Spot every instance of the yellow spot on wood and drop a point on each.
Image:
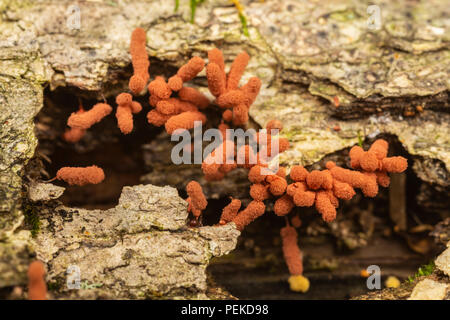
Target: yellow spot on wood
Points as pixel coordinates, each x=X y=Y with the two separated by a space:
x=238 y=6
x=298 y=283
x=392 y=282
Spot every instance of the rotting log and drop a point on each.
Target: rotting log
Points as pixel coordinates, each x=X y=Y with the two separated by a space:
x=331 y=80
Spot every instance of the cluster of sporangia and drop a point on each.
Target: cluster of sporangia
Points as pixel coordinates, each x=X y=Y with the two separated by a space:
x=322 y=188
x=319 y=188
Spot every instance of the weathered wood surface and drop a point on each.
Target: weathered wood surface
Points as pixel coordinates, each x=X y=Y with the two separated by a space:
x=309 y=55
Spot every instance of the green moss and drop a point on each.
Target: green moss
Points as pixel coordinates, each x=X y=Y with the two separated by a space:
x=85 y=285
x=158 y=227
x=32 y=219
x=244 y=24
x=424 y=270
x=343 y=15
x=360 y=139
x=292 y=133
x=193 y=5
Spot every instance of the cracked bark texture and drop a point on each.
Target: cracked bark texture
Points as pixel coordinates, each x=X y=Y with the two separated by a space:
x=139 y=249
x=309 y=55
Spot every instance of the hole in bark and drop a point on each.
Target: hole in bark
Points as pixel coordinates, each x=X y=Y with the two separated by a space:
x=256 y=268
x=119 y=155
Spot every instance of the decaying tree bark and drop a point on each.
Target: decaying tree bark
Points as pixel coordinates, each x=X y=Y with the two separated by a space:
x=329 y=76
x=139 y=249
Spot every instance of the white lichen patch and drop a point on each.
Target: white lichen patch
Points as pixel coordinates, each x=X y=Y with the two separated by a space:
x=142 y=248
x=443 y=262
x=429 y=289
